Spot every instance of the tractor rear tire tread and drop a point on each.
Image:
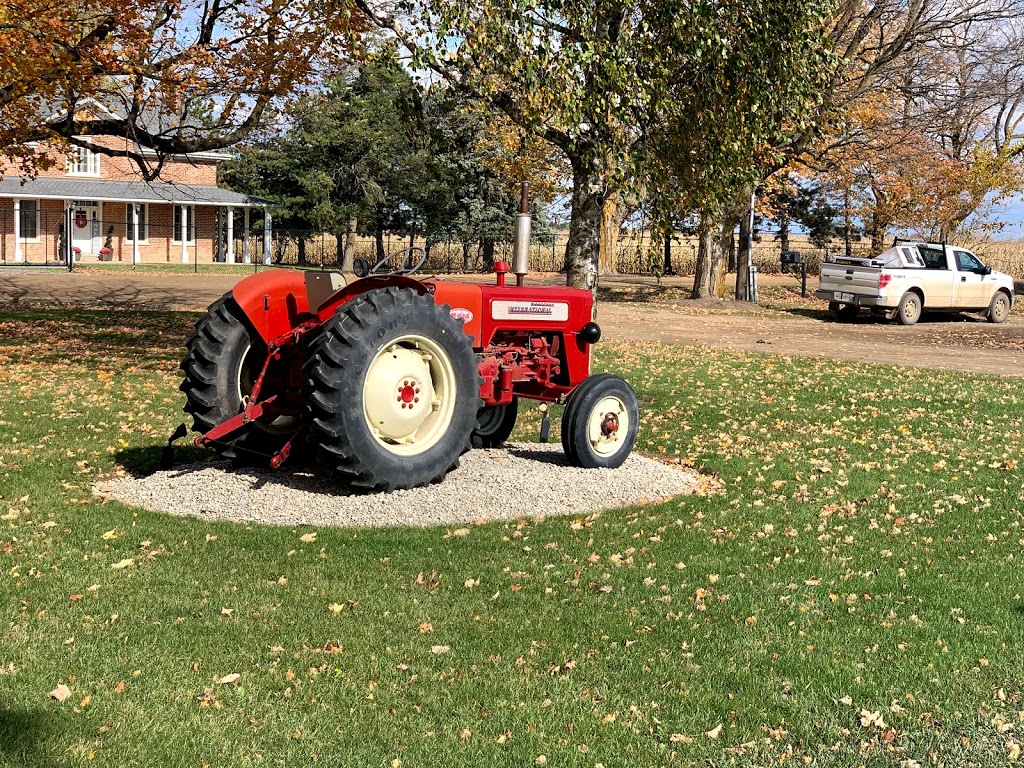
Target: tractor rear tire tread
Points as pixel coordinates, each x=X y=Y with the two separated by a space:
x=215 y=353
x=335 y=375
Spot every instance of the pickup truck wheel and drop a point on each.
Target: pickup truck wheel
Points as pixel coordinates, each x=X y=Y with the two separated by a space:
x=847 y=313
x=909 y=310
x=999 y=309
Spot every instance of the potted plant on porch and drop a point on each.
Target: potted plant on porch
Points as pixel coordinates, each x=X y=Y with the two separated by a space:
x=107 y=251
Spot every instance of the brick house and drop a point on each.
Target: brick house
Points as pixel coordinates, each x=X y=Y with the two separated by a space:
x=114 y=215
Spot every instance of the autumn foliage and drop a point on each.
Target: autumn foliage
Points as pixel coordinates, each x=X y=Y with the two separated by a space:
x=174 y=76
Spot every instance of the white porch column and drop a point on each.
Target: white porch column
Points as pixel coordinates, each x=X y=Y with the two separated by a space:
x=229 y=256
x=136 y=256
x=246 y=239
x=69 y=223
x=18 y=255
x=184 y=234
x=266 y=236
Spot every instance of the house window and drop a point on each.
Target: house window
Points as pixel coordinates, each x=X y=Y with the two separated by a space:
x=191 y=223
x=143 y=222
x=82 y=161
x=29 y=219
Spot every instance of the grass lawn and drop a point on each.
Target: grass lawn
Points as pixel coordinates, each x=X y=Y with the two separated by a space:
x=851 y=597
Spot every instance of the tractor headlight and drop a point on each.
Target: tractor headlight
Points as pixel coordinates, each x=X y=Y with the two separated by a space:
x=590 y=333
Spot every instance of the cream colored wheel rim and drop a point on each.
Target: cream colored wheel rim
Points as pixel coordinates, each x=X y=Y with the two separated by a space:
x=248 y=372
x=608 y=426
x=913 y=307
x=1001 y=307
x=409 y=395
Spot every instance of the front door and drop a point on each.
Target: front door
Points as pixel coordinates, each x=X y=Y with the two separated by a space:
x=86 y=226
x=972 y=292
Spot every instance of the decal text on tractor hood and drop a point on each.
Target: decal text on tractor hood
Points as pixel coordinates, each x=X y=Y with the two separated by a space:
x=544 y=311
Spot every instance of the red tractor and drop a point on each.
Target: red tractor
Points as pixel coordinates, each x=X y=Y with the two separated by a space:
x=389 y=380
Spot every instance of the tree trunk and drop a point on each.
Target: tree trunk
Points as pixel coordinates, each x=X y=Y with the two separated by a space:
x=611 y=220
x=666 y=268
x=878 y=229
x=378 y=239
x=487 y=249
x=302 y=251
x=744 y=290
x=847 y=224
x=783 y=233
x=720 y=256
x=467 y=260
x=702 y=271
x=348 y=253
x=584 y=244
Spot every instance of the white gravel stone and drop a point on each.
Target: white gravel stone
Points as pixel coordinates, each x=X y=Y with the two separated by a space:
x=521 y=480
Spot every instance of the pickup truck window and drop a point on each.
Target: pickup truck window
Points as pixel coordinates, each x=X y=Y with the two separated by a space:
x=934 y=258
x=967 y=262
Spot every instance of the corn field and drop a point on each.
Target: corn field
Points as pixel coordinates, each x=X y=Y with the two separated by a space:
x=638 y=254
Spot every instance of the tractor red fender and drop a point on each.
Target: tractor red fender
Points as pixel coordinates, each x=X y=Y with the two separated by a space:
x=330 y=305
x=274 y=301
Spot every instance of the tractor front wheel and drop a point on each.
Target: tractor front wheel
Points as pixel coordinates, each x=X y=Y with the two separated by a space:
x=494 y=424
x=225 y=357
x=392 y=391
x=600 y=422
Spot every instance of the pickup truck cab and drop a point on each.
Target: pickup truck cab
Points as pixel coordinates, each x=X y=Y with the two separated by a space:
x=912 y=278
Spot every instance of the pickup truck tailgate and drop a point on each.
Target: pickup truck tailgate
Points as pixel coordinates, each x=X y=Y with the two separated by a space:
x=850 y=278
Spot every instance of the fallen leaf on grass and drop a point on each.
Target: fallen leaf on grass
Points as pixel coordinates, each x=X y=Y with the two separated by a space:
x=60 y=693
x=123 y=564
x=229 y=679
x=308 y=538
x=439 y=649
x=680 y=738
x=715 y=732
x=871 y=719
x=110 y=535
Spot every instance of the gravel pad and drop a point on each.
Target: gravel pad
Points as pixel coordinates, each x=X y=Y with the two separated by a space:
x=521 y=480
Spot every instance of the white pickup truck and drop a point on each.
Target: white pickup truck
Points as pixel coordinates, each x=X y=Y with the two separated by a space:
x=911 y=278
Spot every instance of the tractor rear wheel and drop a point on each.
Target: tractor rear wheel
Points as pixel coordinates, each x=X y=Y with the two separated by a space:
x=600 y=422
x=392 y=391
x=494 y=424
x=224 y=359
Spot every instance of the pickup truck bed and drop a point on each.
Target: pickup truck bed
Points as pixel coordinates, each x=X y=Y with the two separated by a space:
x=911 y=278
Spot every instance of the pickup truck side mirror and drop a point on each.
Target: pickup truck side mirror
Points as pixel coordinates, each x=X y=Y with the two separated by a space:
x=985 y=270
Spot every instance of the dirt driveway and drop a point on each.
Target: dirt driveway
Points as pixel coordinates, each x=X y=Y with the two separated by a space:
x=959 y=343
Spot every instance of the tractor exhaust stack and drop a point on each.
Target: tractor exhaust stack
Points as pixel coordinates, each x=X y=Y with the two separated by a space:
x=521 y=244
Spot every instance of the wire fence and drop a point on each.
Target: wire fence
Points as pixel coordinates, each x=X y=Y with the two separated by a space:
x=637 y=254
x=44 y=241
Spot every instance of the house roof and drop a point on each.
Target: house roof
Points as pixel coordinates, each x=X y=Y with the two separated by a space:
x=45 y=188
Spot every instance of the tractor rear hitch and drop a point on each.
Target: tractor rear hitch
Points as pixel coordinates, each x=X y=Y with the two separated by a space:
x=167 y=456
